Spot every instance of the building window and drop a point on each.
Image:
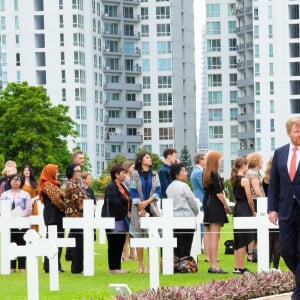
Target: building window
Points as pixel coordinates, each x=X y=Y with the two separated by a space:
x=294 y=87
x=231 y=9
x=271 y=31
x=164 y=64
x=116 y=148
x=255 y=13
x=233 y=114
x=145 y=48
x=213 y=10
x=145 y=30
x=128 y=12
x=62 y=39
x=234 y=130
x=63 y=76
x=215 y=132
x=147 y=134
x=163 y=12
x=215 y=114
x=163 y=29
x=132 y=131
x=256 y=51
x=257 y=126
x=61 y=21
x=166 y=133
x=214 y=80
x=294 y=31
x=294 y=12
x=256 y=32
x=272 y=107
x=232 y=62
x=147 y=100
x=213 y=28
x=232 y=45
x=215 y=97
x=295 y=68
x=165 y=116
x=270 y=50
x=294 y=49
x=213 y=45
x=2 y=5
x=270 y=12
x=257 y=71
x=145 y=65
x=144 y=13
x=79 y=76
x=146 y=82
x=78 y=21
x=233 y=95
x=232 y=27
x=257 y=88
x=271 y=69
x=2 y=23
x=63 y=95
x=214 y=62
x=129 y=96
x=147 y=117
x=164 y=82
x=272 y=125
x=295 y=106
x=80 y=112
x=165 y=99
x=164 y=47
x=272 y=144
x=271 y=87
x=257 y=107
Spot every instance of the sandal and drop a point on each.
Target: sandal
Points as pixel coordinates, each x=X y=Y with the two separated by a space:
x=140 y=269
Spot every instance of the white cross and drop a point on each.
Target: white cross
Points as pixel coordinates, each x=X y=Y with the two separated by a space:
x=102 y=234
x=88 y=222
x=262 y=224
x=53 y=263
x=39 y=220
x=168 y=223
x=197 y=241
x=153 y=242
x=34 y=247
x=7 y=222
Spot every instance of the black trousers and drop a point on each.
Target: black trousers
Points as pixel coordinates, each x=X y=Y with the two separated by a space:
x=17 y=236
x=60 y=234
x=184 y=242
x=114 y=250
x=77 y=251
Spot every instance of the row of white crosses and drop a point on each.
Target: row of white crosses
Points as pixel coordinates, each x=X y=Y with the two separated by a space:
x=166 y=223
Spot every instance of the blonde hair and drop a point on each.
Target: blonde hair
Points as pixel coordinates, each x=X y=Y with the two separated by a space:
x=290 y=122
x=211 y=165
x=254 y=159
x=8 y=171
x=268 y=170
x=127 y=164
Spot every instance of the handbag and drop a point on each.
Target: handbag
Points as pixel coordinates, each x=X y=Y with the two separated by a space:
x=154 y=210
x=186 y=264
x=229 y=247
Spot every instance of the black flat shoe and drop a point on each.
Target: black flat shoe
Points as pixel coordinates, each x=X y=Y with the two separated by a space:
x=62 y=271
x=217 y=271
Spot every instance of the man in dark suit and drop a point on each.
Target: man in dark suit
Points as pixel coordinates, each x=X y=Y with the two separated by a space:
x=284 y=199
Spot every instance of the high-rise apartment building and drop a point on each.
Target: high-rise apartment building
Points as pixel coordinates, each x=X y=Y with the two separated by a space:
x=221 y=72
x=253 y=84
x=124 y=67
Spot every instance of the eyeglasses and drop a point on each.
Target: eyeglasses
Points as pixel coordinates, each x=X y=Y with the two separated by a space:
x=16 y=179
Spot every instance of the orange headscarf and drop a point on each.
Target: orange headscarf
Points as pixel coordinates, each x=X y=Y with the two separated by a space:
x=48 y=174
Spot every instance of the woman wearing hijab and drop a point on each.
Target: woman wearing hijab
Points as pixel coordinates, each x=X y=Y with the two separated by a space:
x=54 y=204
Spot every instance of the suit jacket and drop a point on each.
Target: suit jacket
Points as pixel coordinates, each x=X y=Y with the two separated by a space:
x=282 y=191
x=197 y=184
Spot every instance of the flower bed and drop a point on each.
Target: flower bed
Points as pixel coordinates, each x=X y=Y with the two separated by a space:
x=239 y=288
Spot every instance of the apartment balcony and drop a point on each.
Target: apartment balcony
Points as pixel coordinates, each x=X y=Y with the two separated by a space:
x=111 y=52
x=245 y=82
x=121 y=138
x=113 y=86
x=245 y=99
x=244 y=117
x=242 y=47
x=114 y=121
x=135 y=87
x=244 y=29
x=109 y=17
x=113 y=104
x=134 y=71
x=136 y=121
x=244 y=135
x=135 y=36
x=134 y=19
x=132 y=2
x=112 y=34
x=134 y=104
x=240 y=12
x=109 y=69
x=111 y=1
x=136 y=53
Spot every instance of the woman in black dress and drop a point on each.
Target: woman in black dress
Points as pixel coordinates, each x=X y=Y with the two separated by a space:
x=216 y=207
x=244 y=207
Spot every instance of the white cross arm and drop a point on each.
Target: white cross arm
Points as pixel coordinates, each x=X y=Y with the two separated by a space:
x=59 y=242
x=251 y=223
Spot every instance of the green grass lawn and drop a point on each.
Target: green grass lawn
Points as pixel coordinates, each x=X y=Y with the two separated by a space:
x=77 y=286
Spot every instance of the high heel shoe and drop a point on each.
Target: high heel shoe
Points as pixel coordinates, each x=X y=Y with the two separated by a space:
x=250 y=257
x=140 y=269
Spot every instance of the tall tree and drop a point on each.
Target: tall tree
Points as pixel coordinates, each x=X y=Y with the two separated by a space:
x=32 y=130
x=186 y=159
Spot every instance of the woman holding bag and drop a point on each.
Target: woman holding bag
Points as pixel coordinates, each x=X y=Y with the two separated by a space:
x=116 y=206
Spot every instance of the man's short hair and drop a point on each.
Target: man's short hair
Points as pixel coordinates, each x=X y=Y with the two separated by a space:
x=169 y=151
x=76 y=153
x=198 y=156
